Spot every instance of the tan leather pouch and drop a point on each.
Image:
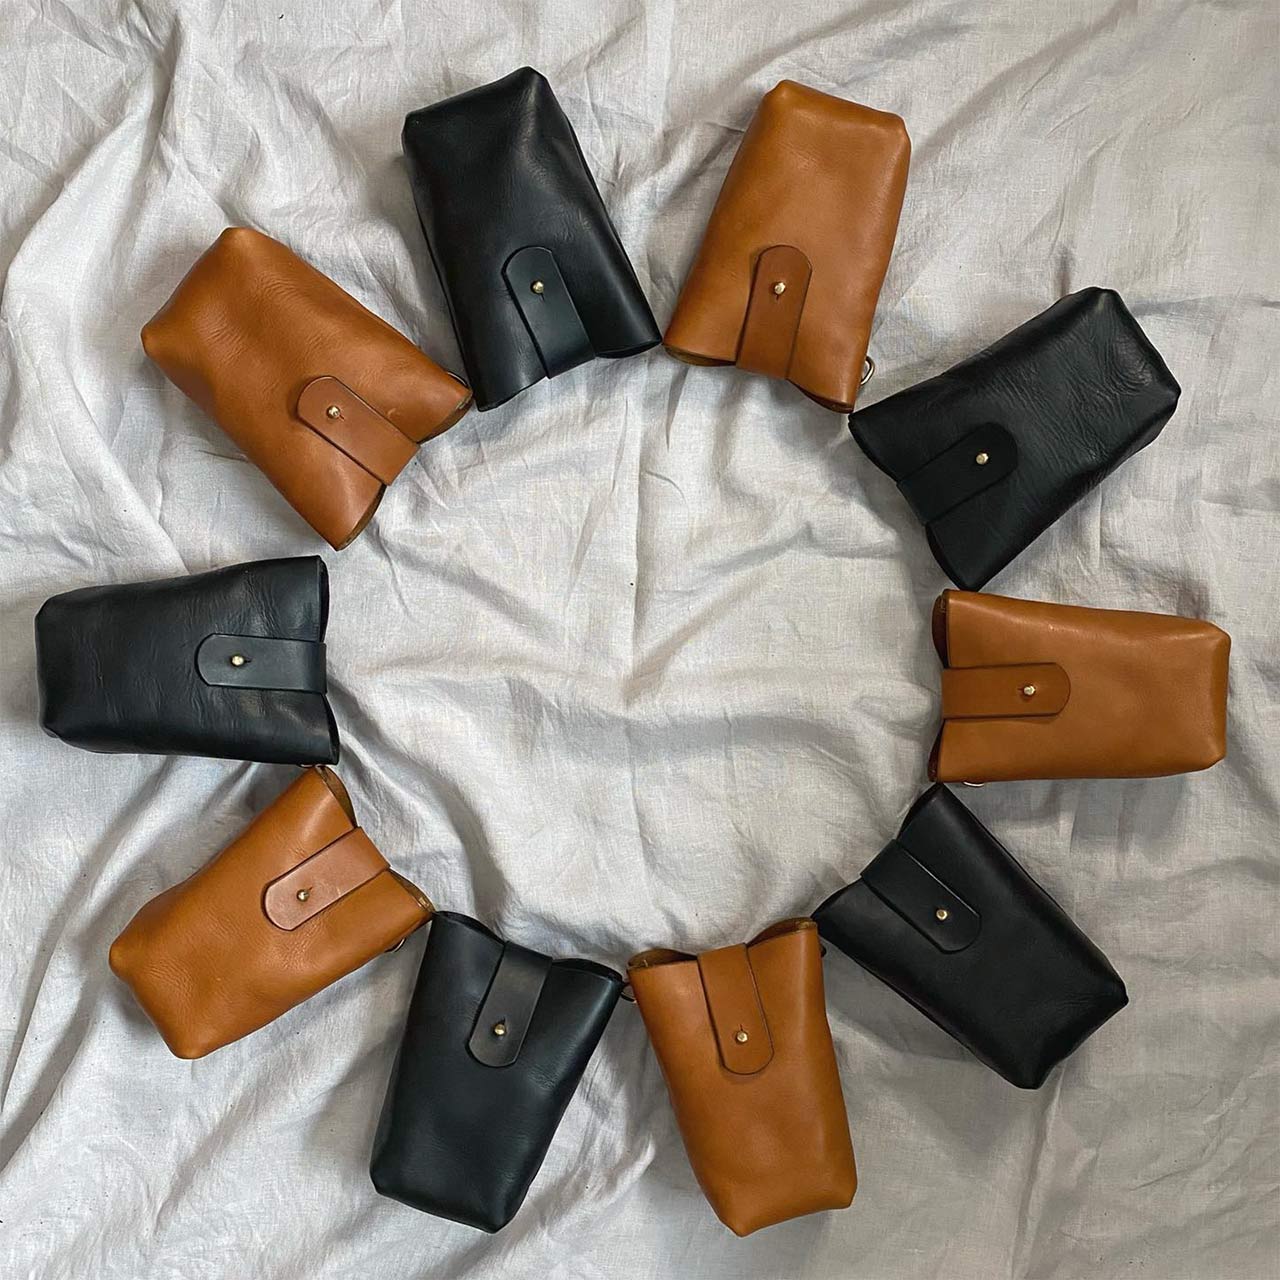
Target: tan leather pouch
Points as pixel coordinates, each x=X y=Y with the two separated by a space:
x=327 y=399
x=742 y=1038
x=789 y=272
x=1033 y=690
x=300 y=899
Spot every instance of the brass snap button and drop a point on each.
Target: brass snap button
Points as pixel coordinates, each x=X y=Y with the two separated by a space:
x=538 y=287
x=499 y=1029
x=779 y=288
x=742 y=1036
x=333 y=411
x=303 y=894
x=237 y=659
x=982 y=459
x=1028 y=691
x=942 y=913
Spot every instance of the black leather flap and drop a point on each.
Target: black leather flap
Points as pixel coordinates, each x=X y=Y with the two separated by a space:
x=508 y=1007
x=543 y=299
x=262 y=662
x=917 y=895
x=497 y=168
x=987 y=454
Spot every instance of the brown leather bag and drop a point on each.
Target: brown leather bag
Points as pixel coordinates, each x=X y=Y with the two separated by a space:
x=789 y=272
x=327 y=399
x=300 y=899
x=742 y=1038
x=1034 y=690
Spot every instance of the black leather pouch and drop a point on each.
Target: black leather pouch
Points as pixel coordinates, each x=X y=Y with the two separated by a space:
x=229 y=663
x=495 y=1043
x=953 y=924
x=535 y=276
x=989 y=454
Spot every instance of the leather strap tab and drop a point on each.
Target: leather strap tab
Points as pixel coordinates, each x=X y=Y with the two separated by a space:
x=996 y=693
x=507 y=1010
x=357 y=428
x=320 y=880
x=544 y=302
x=737 y=1017
x=970 y=466
x=773 y=312
x=262 y=662
x=920 y=898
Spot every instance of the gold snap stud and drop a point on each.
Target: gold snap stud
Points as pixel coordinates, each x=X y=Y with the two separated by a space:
x=780 y=287
x=238 y=659
x=538 y=287
x=982 y=459
x=333 y=411
x=303 y=894
x=742 y=1037
x=1028 y=691
x=942 y=913
x=499 y=1028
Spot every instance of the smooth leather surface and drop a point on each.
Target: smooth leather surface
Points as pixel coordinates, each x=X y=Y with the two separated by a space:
x=206 y=962
x=1079 y=388
x=498 y=169
x=251 y=327
x=1020 y=689
x=458 y=1138
x=733 y=1003
x=825 y=177
x=320 y=880
x=543 y=300
x=508 y=1007
x=1146 y=692
x=332 y=410
x=1023 y=992
x=262 y=662
x=933 y=908
x=769 y=332
x=117 y=665
x=769 y=1143
x=960 y=472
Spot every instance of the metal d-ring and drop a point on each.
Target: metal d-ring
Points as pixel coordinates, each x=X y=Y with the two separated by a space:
x=868 y=371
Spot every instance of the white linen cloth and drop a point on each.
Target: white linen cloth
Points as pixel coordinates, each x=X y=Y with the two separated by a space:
x=641 y=658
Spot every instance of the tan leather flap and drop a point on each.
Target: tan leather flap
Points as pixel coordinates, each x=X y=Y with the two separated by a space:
x=1029 y=689
x=737 y=1017
x=778 y=292
x=331 y=409
x=320 y=880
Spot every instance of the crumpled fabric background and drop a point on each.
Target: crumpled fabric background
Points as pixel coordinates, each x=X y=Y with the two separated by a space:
x=642 y=657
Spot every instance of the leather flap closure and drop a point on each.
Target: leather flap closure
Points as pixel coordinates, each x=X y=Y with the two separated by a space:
x=262 y=662
x=737 y=1016
x=971 y=465
x=320 y=880
x=543 y=300
x=920 y=898
x=995 y=693
x=331 y=409
x=507 y=1009
x=778 y=291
